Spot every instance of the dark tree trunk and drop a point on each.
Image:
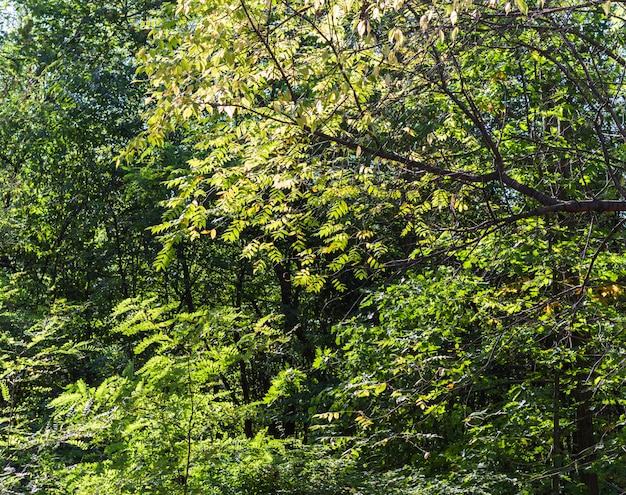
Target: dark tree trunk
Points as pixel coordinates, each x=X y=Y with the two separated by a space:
x=243 y=373
x=187 y=282
x=584 y=438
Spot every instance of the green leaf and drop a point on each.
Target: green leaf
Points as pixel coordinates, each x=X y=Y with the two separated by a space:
x=522 y=6
x=4 y=390
x=380 y=388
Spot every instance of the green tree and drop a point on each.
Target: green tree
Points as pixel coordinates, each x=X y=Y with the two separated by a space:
x=72 y=227
x=324 y=132
x=476 y=384
x=391 y=247
x=477 y=104
x=69 y=106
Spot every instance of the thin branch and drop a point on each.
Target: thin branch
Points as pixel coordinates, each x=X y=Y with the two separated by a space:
x=595 y=257
x=263 y=40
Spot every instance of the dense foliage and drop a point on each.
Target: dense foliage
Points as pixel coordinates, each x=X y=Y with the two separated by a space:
x=328 y=247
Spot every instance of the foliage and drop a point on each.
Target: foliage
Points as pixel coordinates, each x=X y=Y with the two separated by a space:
x=432 y=114
x=452 y=374
x=68 y=108
x=392 y=247
x=41 y=350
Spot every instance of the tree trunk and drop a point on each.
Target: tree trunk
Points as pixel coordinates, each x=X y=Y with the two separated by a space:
x=584 y=439
x=243 y=374
x=187 y=283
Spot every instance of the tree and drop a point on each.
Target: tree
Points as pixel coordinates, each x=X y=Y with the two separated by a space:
x=476 y=100
x=493 y=133
x=69 y=106
x=392 y=247
x=72 y=227
x=476 y=386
